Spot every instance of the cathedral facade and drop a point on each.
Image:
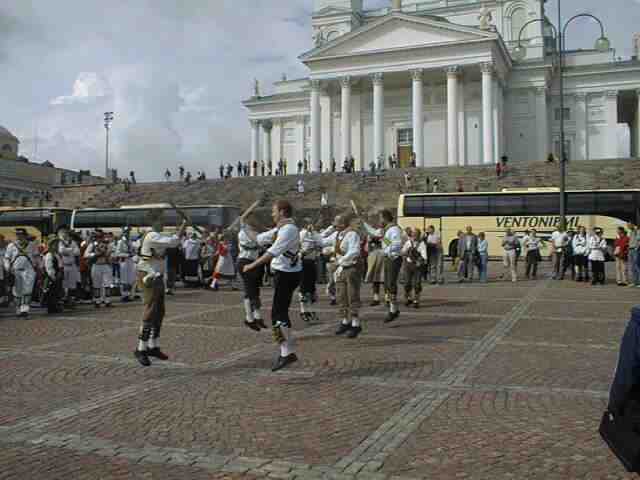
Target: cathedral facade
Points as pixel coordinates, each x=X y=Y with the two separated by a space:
x=438 y=82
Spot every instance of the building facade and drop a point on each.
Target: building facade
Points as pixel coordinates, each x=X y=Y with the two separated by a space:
x=437 y=81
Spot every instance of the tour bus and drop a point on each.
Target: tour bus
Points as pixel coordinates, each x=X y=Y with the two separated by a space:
x=493 y=213
x=136 y=216
x=39 y=222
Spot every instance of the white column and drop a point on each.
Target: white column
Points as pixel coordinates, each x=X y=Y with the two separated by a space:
x=542 y=125
x=315 y=127
x=292 y=163
x=255 y=141
x=418 y=116
x=487 y=112
x=345 y=83
x=266 y=126
x=497 y=121
x=581 y=148
x=637 y=129
x=452 y=115
x=378 y=117
x=611 y=107
x=462 y=123
x=326 y=129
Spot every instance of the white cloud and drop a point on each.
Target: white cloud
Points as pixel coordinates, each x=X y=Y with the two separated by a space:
x=87 y=87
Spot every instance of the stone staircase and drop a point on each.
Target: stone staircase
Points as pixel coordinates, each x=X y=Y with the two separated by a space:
x=365 y=189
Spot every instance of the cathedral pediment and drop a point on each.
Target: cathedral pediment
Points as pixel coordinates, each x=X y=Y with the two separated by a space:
x=398 y=31
x=329 y=11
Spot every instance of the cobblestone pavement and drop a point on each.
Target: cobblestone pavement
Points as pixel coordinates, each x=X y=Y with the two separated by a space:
x=488 y=381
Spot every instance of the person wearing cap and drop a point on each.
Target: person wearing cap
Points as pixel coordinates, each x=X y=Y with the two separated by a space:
x=124 y=254
x=310 y=246
x=597 y=247
x=69 y=252
x=346 y=243
x=150 y=270
x=99 y=255
x=20 y=260
x=53 y=285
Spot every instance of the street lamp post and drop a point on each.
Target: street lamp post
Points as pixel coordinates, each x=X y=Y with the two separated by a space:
x=520 y=52
x=108 y=118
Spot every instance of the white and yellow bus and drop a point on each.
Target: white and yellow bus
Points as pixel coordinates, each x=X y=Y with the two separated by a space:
x=521 y=210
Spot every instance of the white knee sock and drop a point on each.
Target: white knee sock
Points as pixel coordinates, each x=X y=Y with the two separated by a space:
x=286 y=347
x=257 y=315
x=355 y=322
x=393 y=308
x=247 y=310
x=345 y=321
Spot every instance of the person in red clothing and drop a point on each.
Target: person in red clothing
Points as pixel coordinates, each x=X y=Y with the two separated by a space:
x=498 y=169
x=621 y=252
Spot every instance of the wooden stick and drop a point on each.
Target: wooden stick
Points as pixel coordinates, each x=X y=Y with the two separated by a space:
x=244 y=215
x=355 y=209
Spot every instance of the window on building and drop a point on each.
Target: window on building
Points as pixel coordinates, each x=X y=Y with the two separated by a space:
x=405 y=136
x=518 y=19
x=566 y=114
x=6 y=148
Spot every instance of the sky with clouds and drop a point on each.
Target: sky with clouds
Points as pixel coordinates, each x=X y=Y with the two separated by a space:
x=174 y=72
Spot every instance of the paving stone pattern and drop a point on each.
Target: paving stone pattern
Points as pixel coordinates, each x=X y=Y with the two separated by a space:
x=491 y=381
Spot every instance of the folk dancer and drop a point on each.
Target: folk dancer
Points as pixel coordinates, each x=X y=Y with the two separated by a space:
x=19 y=261
x=54 y=275
x=69 y=253
x=346 y=244
x=414 y=252
x=329 y=254
x=284 y=256
x=309 y=248
x=192 y=247
x=251 y=280
x=375 y=267
x=124 y=254
x=151 y=270
x=392 y=245
x=207 y=254
x=99 y=254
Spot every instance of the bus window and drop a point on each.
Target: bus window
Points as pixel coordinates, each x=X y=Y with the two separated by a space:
x=541 y=204
x=413 y=206
x=581 y=203
x=472 y=205
x=505 y=204
x=439 y=207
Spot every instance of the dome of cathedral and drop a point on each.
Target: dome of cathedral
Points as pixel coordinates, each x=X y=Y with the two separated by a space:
x=6 y=133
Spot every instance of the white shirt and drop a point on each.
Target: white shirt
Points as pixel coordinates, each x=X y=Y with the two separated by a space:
x=483 y=246
x=391 y=241
x=597 y=247
x=123 y=249
x=192 y=249
x=419 y=246
x=433 y=239
x=559 y=239
x=580 y=245
x=14 y=260
x=531 y=244
x=248 y=248
x=68 y=251
x=349 y=247
x=310 y=243
x=300 y=186
x=49 y=266
x=286 y=248
x=154 y=247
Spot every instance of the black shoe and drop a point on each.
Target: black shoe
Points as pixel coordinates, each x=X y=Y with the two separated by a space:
x=96 y=305
x=375 y=303
x=408 y=303
x=252 y=325
x=282 y=362
x=157 y=353
x=108 y=305
x=333 y=302
x=342 y=328
x=416 y=305
x=142 y=357
x=354 y=332
x=391 y=317
x=260 y=323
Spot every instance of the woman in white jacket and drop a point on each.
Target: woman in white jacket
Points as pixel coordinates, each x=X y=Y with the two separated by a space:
x=580 y=253
x=597 y=247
